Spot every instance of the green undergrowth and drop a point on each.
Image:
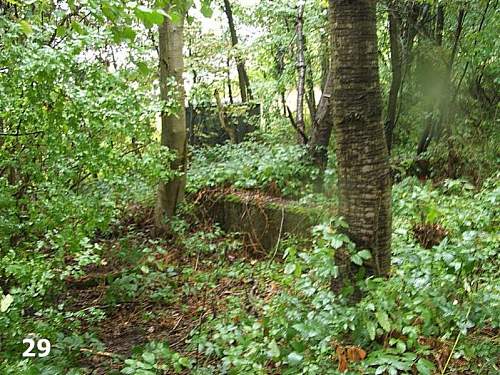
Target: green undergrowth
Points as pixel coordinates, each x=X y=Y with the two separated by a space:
x=281 y=170
x=207 y=303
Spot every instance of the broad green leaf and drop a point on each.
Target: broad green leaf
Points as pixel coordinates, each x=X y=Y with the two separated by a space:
x=356 y=259
x=148 y=357
x=371 y=328
x=337 y=242
x=26 y=27
x=425 y=367
x=6 y=302
x=294 y=358
x=206 y=10
x=149 y=16
x=383 y=320
x=289 y=268
x=365 y=254
x=274 y=350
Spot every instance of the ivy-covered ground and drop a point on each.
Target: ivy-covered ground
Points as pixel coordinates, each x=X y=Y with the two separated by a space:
x=204 y=302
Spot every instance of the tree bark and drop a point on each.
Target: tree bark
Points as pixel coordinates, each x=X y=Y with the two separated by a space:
x=301 y=73
x=173 y=126
x=397 y=74
x=230 y=131
x=246 y=93
x=439 y=25
x=229 y=87
x=363 y=164
x=322 y=130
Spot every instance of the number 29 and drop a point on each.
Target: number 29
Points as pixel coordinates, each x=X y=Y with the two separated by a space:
x=43 y=346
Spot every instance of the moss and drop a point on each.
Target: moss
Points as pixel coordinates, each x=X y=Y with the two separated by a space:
x=261 y=220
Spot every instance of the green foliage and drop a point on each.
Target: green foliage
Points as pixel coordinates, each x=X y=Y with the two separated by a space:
x=250 y=165
x=155 y=358
x=432 y=293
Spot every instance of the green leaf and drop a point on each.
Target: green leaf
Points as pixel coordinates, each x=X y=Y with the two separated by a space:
x=110 y=12
x=425 y=367
x=175 y=17
x=26 y=27
x=295 y=358
x=148 y=357
x=128 y=33
x=78 y=28
x=143 y=67
x=274 y=350
x=356 y=259
x=371 y=328
x=6 y=302
x=365 y=254
x=289 y=268
x=206 y=10
x=149 y=16
x=337 y=242
x=383 y=320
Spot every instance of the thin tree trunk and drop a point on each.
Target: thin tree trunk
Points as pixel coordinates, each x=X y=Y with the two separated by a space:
x=222 y=119
x=364 y=177
x=397 y=76
x=173 y=127
x=246 y=93
x=321 y=131
x=229 y=87
x=437 y=128
x=439 y=25
x=301 y=72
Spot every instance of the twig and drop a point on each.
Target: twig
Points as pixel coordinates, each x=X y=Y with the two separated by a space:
x=454 y=345
x=279 y=236
x=19 y=134
x=176 y=324
x=102 y=354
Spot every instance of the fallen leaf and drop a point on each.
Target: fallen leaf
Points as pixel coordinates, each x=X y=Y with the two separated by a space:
x=355 y=353
x=341 y=355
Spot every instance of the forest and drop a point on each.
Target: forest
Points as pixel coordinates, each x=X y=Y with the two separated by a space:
x=249 y=187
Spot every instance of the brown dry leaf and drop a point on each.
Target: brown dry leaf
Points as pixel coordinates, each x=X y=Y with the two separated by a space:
x=341 y=355
x=355 y=353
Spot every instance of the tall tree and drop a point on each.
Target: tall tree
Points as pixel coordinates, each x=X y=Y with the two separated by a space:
x=243 y=80
x=397 y=73
x=363 y=165
x=301 y=73
x=173 y=126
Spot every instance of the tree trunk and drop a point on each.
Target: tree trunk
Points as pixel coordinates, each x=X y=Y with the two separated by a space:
x=230 y=130
x=246 y=93
x=173 y=127
x=444 y=107
x=321 y=131
x=364 y=177
x=229 y=87
x=301 y=72
x=439 y=25
x=397 y=76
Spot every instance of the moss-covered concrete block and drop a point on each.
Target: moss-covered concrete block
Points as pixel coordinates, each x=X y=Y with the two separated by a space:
x=262 y=218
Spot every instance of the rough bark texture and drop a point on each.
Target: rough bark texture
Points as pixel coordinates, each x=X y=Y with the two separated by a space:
x=301 y=73
x=246 y=93
x=362 y=157
x=397 y=75
x=173 y=127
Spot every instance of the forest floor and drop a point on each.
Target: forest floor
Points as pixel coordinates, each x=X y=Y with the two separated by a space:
x=207 y=294
x=199 y=283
